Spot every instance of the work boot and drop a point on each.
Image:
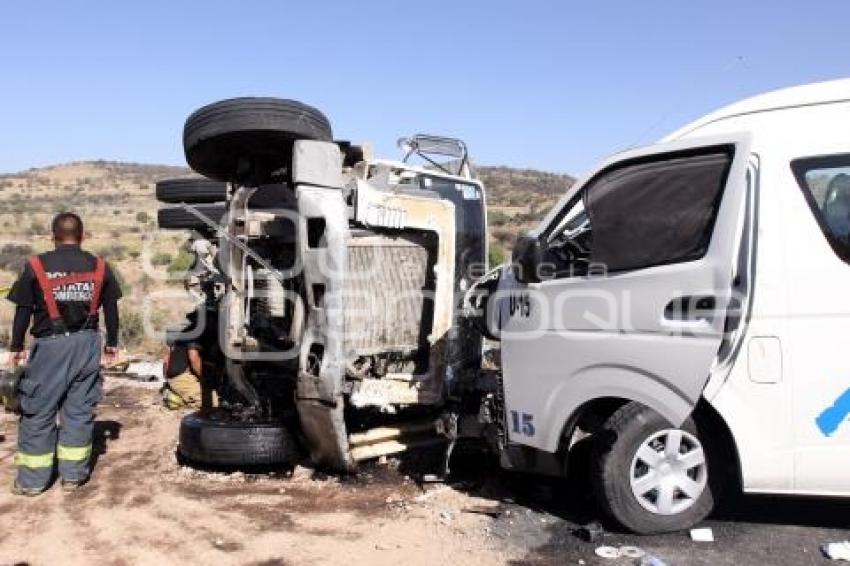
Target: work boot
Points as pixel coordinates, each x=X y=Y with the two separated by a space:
x=26 y=491
x=72 y=485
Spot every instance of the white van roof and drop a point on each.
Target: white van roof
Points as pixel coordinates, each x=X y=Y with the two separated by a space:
x=796 y=96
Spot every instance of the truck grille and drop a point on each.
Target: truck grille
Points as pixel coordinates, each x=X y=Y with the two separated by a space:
x=389 y=293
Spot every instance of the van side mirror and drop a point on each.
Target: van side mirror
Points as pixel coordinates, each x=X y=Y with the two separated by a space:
x=526 y=259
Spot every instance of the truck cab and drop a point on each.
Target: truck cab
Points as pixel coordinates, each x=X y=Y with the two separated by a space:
x=685 y=305
x=332 y=283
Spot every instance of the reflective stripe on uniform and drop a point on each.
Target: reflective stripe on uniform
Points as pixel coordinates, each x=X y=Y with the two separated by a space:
x=73 y=453
x=24 y=460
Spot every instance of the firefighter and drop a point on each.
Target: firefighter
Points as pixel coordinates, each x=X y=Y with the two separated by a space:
x=61 y=292
x=189 y=364
x=183 y=375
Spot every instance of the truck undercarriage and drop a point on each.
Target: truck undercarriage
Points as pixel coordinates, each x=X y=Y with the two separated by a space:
x=334 y=282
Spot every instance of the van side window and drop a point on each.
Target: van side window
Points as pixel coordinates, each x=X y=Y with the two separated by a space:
x=825 y=181
x=644 y=213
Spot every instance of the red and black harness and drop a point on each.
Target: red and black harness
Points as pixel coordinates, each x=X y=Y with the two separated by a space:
x=48 y=286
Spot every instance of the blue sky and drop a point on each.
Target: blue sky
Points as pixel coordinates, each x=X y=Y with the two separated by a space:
x=550 y=85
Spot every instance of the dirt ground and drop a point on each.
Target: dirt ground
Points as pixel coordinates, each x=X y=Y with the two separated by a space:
x=142 y=507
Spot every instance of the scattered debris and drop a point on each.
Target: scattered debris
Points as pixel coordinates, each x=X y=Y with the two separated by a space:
x=492 y=356
x=144 y=371
x=702 y=535
x=445 y=517
x=225 y=546
x=429 y=494
x=396 y=502
x=608 y=552
x=301 y=473
x=591 y=532
x=632 y=552
x=837 y=550
x=490 y=511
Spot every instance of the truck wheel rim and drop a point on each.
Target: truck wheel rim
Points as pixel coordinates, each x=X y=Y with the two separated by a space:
x=668 y=472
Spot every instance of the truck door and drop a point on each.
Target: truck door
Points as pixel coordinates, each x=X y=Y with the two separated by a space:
x=637 y=275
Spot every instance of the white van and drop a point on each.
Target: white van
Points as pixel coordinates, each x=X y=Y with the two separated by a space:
x=689 y=304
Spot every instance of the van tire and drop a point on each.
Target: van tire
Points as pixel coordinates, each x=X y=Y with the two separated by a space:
x=177 y=218
x=249 y=140
x=217 y=441
x=615 y=449
x=191 y=190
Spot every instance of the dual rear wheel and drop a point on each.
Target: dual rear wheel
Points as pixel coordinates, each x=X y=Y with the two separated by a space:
x=247 y=141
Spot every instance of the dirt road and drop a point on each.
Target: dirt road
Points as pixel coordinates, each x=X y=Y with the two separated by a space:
x=143 y=508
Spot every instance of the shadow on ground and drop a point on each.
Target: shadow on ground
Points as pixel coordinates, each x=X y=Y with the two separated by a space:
x=544 y=515
x=104 y=432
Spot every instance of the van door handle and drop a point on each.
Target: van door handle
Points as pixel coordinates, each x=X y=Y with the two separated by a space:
x=691 y=308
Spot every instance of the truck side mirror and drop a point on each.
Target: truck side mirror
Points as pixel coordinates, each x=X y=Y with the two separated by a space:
x=526 y=259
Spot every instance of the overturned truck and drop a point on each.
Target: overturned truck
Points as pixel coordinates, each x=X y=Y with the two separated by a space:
x=329 y=286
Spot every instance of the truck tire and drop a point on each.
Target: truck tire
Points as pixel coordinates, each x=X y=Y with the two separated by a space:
x=651 y=477
x=249 y=140
x=191 y=190
x=177 y=218
x=215 y=440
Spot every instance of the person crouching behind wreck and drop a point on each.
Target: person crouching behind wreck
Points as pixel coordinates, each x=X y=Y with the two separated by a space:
x=190 y=364
x=61 y=291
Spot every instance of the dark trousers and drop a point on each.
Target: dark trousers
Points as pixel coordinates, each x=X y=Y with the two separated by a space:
x=63 y=377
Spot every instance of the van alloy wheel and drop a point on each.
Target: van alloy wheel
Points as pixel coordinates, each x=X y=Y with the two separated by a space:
x=669 y=472
x=653 y=478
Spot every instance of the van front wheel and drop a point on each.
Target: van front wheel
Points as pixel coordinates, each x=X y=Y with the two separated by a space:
x=649 y=476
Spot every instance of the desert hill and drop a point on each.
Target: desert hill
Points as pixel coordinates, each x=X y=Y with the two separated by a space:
x=117 y=202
